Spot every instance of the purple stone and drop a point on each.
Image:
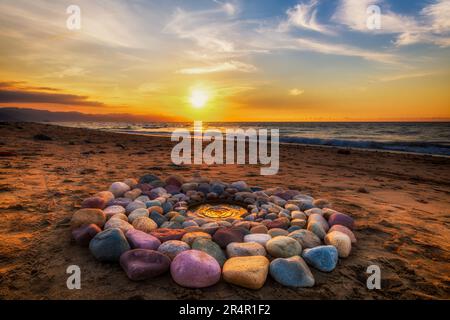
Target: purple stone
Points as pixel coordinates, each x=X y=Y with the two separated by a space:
x=141 y=264
x=172 y=189
x=84 y=234
x=195 y=269
x=120 y=202
x=224 y=236
x=94 y=202
x=341 y=219
x=141 y=240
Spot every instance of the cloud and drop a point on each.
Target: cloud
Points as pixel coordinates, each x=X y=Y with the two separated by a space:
x=343 y=50
x=296 y=92
x=222 y=67
x=304 y=16
x=398 y=77
x=431 y=26
x=15 y=92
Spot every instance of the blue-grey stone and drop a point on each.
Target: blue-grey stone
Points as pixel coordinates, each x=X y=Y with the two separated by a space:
x=323 y=258
x=291 y=272
x=204 y=187
x=167 y=207
x=217 y=188
x=109 y=245
x=256 y=189
x=293 y=228
x=153 y=203
x=158 y=218
x=148 y=178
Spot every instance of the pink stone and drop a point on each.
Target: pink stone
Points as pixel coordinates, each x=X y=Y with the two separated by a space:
x=195 y=269
x=141 y=240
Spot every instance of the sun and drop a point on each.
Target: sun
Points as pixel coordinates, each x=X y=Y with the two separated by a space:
x=198 y=98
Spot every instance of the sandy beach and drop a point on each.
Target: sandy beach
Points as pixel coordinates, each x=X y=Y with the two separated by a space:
x=400 y=203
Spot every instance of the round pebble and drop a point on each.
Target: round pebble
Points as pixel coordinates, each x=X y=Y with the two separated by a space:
x=195 y=269
x=283 y=247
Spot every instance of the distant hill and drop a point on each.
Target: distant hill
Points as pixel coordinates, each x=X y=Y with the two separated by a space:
x=34 y=115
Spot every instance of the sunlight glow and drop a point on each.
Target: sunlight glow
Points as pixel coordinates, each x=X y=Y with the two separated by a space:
x=198 y=98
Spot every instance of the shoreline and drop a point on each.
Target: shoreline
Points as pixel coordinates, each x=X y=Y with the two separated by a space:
x=399 y=203
x=281 y=143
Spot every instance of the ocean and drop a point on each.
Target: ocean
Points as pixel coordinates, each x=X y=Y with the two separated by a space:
x=412 y=137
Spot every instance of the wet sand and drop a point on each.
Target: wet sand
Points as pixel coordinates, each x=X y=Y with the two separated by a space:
x=400 y=202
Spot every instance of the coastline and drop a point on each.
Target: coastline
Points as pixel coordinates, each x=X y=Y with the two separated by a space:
x=389 y=194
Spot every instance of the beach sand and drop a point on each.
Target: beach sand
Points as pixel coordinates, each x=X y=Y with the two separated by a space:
x=400 y=202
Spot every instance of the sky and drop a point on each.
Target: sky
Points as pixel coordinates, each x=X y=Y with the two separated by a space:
x=236 y=60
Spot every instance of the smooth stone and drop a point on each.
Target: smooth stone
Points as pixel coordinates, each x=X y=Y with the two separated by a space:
x=143 y=199
x=88 y=216
x=347 y=231
x=166 y=207
x=141 y=240
x=317 y=228
x=281 y=223
x=291 y=272
x=171 y=225
x=243 y=249
x=217 y=188
x=164 y=234
x=144 y=224
x=260 y=238
x=224 y=236
x=298 y=222
x=276 y=232
x=142 y=264
x=240 y=186
x=341 y=219
x=120 y=216
x=313 y=211
x=131 y=182
x=321 y=203
x=123 y=202
x=153 y=203
x=109 y=245
x=190 y=237
x=148 y=178
x=306 y=238
x=118 y=189
x=298 y=215
x=141 y=212
x=291 y=207
x=317 y=218
x=204 y=187
x=118 y=224
x=174 y=180
x=293 y=228
x=84 y=234
x=189 y=186
x=113 y=210
x=323 y=258
x=259 y=229
x=210 y=247
x=135 y=205
x=341 y=241
x=158 y=218
x=327 y=212
x=248 y=272
x=193 y=229
x=156 y=209
x=94 y=202
x=133 y=194
x=283 y=247
x=189 y=223
x=173 y=247
x=107 y=195
x=195 y=269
